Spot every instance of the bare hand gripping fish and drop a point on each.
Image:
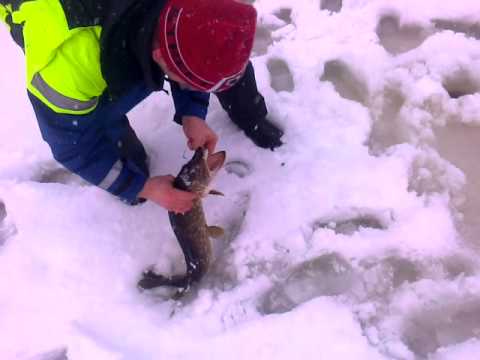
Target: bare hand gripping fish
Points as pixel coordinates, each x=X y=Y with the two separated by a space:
x=191 y=229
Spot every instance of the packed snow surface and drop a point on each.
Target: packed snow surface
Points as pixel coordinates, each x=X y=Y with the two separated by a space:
x=357 y=239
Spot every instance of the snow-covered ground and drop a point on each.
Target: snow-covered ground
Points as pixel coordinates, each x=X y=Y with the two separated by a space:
x=358 y=239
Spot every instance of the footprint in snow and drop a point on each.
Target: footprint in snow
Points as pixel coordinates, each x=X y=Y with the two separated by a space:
x=380 y=277
x=331 y=5
x=471 y=30
x=3 y=215
x=263 y=40
x=284 y=14
x=424 y=319
x=461 y=83
x=399 y=38
x=327 y=275
x=238 y=168
x=350 y=225
x=6 y=229
x=52 y=173
x=346 y=83
x=456 y=265
x=388 y=128
x=281 y=78
x=448 y=322
x=59 y=354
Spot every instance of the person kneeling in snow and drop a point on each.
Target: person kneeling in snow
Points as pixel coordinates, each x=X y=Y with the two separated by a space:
x=90 y=62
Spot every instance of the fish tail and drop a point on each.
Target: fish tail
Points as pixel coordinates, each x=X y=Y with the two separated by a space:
x=151 y=280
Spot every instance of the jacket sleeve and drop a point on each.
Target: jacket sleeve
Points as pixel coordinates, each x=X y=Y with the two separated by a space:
x=83 y=145
x=16 y=30
x=189 y=103
x=3 y=13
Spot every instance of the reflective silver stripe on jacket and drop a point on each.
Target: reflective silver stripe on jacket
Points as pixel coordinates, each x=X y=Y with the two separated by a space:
x=59 y=100
x=112 y=175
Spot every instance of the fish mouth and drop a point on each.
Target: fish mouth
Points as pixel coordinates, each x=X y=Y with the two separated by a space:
x=200 y=154
x=212 y=162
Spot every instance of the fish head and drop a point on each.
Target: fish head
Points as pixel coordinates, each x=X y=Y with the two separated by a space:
x=197 y=174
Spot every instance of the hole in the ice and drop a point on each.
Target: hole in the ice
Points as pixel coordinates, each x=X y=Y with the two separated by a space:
x=239 y=168
x=263 y=39
x=350 y=226
x=430 y=329
x=345 y=82
x=284 y=14
x=460 y=84
x=398 y=39
x=327 y=275
x=331 y=5
x=469 y=29
x=387 y=129
x=280 y=76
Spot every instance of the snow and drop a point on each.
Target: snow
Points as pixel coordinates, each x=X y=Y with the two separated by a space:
x=357 y=239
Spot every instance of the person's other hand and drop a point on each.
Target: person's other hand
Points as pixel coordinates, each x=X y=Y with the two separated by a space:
x=199 y=134
x=160 y=190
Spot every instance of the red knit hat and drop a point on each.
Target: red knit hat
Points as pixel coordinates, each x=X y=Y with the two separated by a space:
x=206 y=43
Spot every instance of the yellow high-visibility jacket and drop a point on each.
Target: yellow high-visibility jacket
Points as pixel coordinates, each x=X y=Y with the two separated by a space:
x=68 y=48
x=86 y=61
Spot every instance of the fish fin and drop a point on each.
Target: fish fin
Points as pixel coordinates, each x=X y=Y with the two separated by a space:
x=216 y=192
x=216 y=161
x=151 y=280
x=215 y=232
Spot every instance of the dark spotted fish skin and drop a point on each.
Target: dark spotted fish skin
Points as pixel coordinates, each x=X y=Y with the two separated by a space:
x=192 y=235
x=191 y=228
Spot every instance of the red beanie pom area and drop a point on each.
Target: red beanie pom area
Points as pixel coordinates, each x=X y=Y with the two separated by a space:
x=206 y=43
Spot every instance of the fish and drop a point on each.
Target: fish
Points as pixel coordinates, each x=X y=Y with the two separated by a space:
x=191 y=229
